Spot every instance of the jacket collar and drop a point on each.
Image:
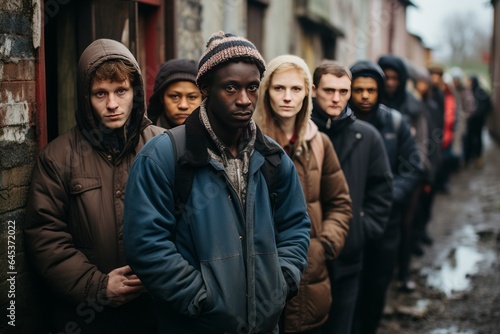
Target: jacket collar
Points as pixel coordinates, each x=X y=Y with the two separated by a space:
x=198 y=142
x=326 y=123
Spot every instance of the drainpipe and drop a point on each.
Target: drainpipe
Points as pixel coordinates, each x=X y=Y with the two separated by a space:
x=39 y=44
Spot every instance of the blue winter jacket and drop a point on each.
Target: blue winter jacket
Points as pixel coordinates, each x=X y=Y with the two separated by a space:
x=218 y=268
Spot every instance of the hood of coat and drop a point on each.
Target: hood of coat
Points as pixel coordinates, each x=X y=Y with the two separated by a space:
x=474 y=83
x=366 y=68
x=95 y=55
x=171 y=71
x=399 y=66
x=264 y=115
x=311 y=130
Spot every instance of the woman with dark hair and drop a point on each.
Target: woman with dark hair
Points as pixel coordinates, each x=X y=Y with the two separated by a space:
x=175 y=93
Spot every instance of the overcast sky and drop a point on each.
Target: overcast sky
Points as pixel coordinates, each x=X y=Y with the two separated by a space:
x=426 y=20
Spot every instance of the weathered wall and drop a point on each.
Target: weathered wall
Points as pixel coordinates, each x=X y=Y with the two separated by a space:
x=191 y=42
x=229 y=16
x=19 y=35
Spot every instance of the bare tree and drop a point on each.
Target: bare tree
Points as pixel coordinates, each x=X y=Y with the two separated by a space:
x=463 y=36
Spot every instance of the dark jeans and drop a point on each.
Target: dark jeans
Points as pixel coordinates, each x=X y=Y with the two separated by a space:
x=449 y=164
x=408 y=235
x=345 y=293
x=473 y=143
x=423 y=214
x=378 y=268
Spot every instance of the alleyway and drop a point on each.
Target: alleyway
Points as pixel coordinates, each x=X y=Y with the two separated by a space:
x=459 y=275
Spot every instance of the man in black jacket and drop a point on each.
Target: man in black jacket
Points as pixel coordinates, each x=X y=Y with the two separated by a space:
x=395 y=95
x=363 y=158
x=381 y=254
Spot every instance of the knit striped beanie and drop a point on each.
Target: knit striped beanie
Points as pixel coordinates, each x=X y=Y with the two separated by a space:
x=222 y=47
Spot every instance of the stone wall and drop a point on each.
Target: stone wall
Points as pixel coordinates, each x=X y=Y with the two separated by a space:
x=190 y=40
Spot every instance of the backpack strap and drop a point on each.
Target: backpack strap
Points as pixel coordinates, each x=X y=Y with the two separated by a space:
x=183 y=175
x=270 y=171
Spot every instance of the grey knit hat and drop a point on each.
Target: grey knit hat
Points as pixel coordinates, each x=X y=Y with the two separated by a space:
x=222 y=47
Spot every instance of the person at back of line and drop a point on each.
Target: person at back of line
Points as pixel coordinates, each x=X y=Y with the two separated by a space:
x=233 y=255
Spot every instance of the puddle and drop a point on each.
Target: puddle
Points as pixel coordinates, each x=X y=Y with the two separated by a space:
x=460 y=263
x=453 y=276
x=451 y=330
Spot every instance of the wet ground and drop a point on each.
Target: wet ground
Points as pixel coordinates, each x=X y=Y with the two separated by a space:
x=458 y=277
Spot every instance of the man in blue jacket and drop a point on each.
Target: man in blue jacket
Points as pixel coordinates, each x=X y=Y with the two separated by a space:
x=233 y=256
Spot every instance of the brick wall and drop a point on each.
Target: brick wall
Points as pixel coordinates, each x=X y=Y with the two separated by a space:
x=18 y=34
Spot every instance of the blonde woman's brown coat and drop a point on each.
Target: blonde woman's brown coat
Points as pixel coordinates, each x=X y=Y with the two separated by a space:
x=328 y=204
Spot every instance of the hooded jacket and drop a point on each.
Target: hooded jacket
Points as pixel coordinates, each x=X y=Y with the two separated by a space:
x=411 y=109
x=402 y=101
x=399 y=142
x=328 y=203
x=75 y=208
x=482 y=101
x=169 y=72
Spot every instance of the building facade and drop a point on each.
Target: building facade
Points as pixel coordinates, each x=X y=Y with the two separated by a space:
x=40 y=44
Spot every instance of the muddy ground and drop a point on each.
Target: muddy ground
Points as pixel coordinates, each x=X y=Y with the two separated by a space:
x=458 y=277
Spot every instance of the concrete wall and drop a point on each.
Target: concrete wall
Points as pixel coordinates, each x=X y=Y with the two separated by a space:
x=377 y=29
x=191 y=42
x=400 y=36
x=364 y=23
x=277 y=40
x=351 y=17
x=229 y=16
x=415 y=51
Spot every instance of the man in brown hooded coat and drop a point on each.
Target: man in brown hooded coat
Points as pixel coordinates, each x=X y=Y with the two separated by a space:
x=74 y=215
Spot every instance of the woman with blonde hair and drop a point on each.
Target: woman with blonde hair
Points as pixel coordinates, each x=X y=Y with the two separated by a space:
x=283 y=112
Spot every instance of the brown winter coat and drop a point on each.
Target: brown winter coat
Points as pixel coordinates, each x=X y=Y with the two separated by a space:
x=75 y=209
x=329 y=208
x=327 y=197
